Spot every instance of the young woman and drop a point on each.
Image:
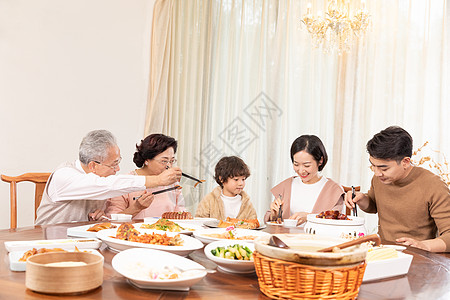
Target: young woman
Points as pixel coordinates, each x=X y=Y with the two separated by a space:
x=309 y=192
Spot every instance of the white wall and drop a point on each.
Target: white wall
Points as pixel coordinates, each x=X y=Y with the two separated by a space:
x=68 y=67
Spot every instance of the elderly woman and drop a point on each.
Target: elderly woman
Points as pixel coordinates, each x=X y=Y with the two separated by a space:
x=309 y=192
x=153 y=156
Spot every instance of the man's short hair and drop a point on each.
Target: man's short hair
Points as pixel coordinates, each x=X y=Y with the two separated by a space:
x=392 y=143
x=95 y=146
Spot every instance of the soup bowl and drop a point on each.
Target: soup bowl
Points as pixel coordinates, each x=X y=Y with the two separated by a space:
x=303 y=249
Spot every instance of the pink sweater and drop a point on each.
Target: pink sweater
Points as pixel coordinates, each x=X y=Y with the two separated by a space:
x=330 y=198
x=169 y=201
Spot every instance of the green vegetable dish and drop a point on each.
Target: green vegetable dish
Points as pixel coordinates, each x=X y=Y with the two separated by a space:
x=233 y=252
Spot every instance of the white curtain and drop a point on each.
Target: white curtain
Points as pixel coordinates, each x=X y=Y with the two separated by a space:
x=242 y=78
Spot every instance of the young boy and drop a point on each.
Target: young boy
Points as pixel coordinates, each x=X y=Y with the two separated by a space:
x=229 y=198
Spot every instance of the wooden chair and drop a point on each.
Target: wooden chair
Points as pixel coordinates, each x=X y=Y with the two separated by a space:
x=346 y=189
x=40 y=179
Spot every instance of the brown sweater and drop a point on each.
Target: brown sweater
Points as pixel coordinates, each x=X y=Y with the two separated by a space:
x=417 y=206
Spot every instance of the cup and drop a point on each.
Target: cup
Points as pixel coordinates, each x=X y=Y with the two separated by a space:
x=290 y=222
x=121 y=217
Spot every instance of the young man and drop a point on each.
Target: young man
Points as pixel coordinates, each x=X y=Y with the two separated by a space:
x=412 y=203
x=76 y=191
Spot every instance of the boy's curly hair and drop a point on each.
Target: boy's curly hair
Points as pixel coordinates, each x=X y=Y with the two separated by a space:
x=229 y=167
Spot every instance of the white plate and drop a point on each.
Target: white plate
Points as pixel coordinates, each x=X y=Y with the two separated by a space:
x=274 y=223
x=136 y=263
x=202 y=234
x=190 y=244
x=215 y=224
x=388 y=267
x=16 y=265
x=231 y=265
x=195 y=221
x=81 y=231
x=66 y=244
x=189 y=228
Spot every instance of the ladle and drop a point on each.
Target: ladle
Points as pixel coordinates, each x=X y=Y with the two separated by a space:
x=277 y=242
x=373 y=237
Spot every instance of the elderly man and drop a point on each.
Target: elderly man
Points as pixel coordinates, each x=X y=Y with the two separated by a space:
x=76 y=191
x=413 y=204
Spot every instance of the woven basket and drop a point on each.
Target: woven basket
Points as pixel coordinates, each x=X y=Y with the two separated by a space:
x=281 y=279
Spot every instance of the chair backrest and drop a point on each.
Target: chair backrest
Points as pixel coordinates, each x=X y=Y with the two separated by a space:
x=346 y=189
x=40 y=179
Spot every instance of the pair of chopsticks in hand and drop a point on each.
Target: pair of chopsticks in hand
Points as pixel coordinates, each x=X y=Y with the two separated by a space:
x=161 y=191
x=354 y=210
x=174 y=187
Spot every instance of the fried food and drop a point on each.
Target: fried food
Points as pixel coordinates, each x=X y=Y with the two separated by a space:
x=126 y=231
x=101 y=226
x=165 y=225
x=35 y=251
x=333 y=215
x=177 y=215
x=239 y=223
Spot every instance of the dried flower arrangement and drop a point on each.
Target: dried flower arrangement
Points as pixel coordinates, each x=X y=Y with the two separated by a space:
x=420 y=159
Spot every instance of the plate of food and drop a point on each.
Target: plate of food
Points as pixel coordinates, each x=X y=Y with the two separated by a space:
x=384 y=262
x=193 y=221
x=237 y=234
x=232 y=256
x=66 y=244
x=127 y=236
x=274 y=223
x=154 y=269
x=18 y=259
x=237 y=223
x=90 y=231
x=168 y=226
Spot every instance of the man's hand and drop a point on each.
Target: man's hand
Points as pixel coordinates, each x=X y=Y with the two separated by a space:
x=360 y=198
x=433 y=245
x=96 y=215
x=169 y=176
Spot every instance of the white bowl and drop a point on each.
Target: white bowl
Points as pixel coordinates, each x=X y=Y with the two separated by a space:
x=335 y=228
x=290 y=223
x=121 y=217
x=135 y=264
x=231 y=265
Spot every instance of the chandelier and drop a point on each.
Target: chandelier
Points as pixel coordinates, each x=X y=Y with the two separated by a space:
x=338 y=29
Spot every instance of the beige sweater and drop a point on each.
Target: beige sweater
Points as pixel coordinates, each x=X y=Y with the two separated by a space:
x=417 y=206
x=212 y=206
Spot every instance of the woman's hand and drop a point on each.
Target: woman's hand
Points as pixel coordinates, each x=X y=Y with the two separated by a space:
x=144 y=201
x=96 y=215
x=275 y=206
x=300 y=217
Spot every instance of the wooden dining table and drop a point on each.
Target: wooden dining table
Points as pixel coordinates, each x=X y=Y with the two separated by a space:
x=428 y=277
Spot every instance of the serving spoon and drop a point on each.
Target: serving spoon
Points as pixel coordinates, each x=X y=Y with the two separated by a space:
x=373 y=237
x=277 y=242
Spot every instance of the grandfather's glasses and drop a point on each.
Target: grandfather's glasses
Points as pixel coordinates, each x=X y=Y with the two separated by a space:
x=114 y=166
x=166 y=162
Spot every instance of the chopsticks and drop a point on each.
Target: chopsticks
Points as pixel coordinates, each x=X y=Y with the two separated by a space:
x=355 y=211
x=161 y=191
x=280 y=212
x=193 y=178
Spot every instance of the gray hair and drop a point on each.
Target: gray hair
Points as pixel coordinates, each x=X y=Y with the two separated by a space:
x=95 y=146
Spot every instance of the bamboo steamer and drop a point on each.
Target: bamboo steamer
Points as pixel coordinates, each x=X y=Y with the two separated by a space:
x=302 y=250
x=64 y=279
